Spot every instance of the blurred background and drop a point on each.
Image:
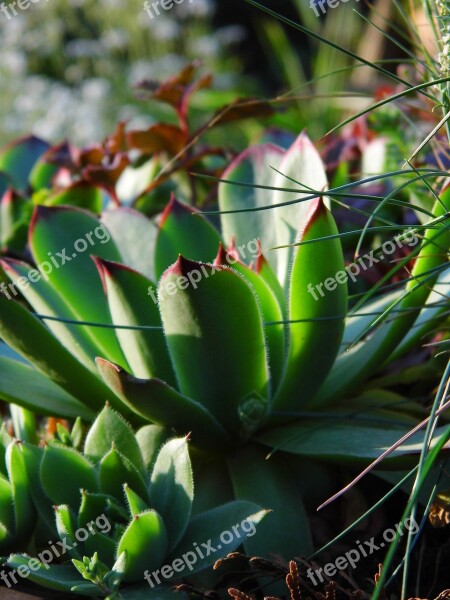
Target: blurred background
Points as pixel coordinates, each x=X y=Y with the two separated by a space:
x=68 y=67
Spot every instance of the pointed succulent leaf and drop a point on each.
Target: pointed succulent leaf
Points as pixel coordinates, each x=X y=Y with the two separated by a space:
x=92 y=506
x=285 y=530
x=135 y=503
x=134 y=236
x=91 y=568
x=172 y=488
x=24 y=424
x=19 y=157
x=115 y=470
x=365 y=357
x=150 y=439
x=183 y=230
x=302 y=163
x=7 y=517
x=111 y=428
x=145 y=544
x=77 y=433
x=32 y=340
x=66 y=525
x=219 y=354
x=54 y=577
x=132 y=301
x=24 y=512
x=33 y=457
x=270 y=309
x=63 y=435
x=266 y=272
x=209 y=528
x=114 y=578
x=315 y=339
x=59 y=459
x=349 y=443
x=253 y=167
x=156 y=401
x=77 y=235
x=26 y=387
x=45 y=301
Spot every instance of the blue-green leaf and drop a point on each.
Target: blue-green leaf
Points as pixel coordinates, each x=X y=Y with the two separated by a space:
x=58 y=459
x=111 y=428
x=76 y=235
x=172 y=488
x=216 y=532
x=26 y=387
x=157 y=402
x=132 y=301
x=285 y=530
x=134 y=236
x=54 y=577
x=303 y=164
x=253 y=166
x=145 y=544
x=315 y=338
x=232 y=383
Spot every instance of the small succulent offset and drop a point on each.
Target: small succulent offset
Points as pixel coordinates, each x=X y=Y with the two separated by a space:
x=121 y=508
x=243 y=358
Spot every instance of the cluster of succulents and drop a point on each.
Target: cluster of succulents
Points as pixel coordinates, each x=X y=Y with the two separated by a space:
x=184 y=315
x=242 y=357
x=116 y=507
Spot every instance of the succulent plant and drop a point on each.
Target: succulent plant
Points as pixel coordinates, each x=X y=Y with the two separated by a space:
x=17 y=513
x=115 y=513
x=241 y=356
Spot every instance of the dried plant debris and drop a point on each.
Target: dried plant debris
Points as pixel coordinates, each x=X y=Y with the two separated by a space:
x=439 y=515
x=297 y=587
x=293 y=582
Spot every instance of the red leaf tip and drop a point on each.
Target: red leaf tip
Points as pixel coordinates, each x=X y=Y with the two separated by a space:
x=221 y=255
x=183 y=267
x=176 y=208
x=227 y=257
x=316 y=210
x=108 y=268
